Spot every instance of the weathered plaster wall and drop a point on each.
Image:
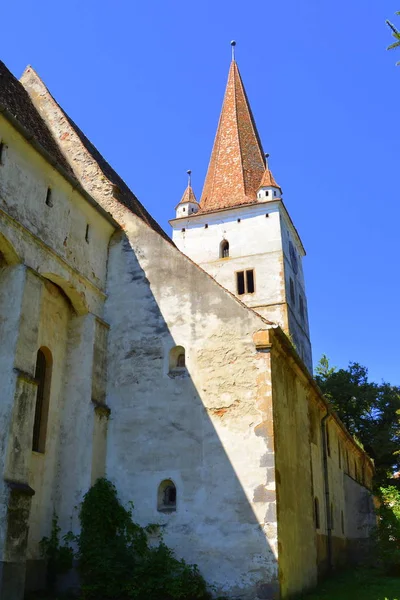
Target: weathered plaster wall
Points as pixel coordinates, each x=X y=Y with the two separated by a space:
x=51 y=279
x=296 y=531
x=297 y=320
x=254 y=243
x=259 y=243
x=55 y=312
x=203 y=429
x=51 y=239
x=306 y=547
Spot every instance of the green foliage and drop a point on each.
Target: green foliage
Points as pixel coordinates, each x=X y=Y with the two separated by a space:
x=116 y=560
x=370 y=411
x=388 y=530
x=395 y=34
x=58 y=558
x=357 y=584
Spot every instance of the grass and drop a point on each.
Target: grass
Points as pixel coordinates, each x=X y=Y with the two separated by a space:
x=357 y=585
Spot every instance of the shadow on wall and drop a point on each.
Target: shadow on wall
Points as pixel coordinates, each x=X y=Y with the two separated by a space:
x=183 y=443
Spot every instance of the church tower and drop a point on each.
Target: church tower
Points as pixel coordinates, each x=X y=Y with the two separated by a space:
x=241 y=232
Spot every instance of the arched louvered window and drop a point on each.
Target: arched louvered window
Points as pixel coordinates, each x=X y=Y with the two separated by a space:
x=42 y=376
x=224 y=249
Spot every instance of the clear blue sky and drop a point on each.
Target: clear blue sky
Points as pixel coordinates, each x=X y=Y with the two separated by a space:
x=145 y=82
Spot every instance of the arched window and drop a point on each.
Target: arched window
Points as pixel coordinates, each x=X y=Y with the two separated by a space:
x=177 y=359
x=224 y=249
x=316 y=513
x=42 y=376
x=166 y=496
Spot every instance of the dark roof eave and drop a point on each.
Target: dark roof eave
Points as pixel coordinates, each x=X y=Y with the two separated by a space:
x=54 y=163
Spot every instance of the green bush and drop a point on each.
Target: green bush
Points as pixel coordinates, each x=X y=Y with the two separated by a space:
x=58 y=557
x=116 y=561
x=388 y=529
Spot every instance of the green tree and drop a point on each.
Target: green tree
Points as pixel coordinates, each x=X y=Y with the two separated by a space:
x=395 y=34
x=370 y=411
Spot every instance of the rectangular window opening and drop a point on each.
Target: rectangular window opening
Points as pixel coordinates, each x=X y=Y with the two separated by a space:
x=292 y=296
x=240 y=283
x=87 y=233
x=301 y=302
x=1 y=152
x=250 y=281
x=245 y=282
x=49 y=200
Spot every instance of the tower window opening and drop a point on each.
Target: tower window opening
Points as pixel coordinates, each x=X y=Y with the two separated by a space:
x=206 y=226
x=177 y=360
x=184 y=209
x=267 y=193
x=240 y=283
x=301 y=304
x=183 y=230
x=42 y=376
x=274 y=192
x=1 y=152
x=267 y=215
x=87 y=233
x=49 y=197
x=245 y=282
x=238 y=220
x=316 y=513
x=166 y=496
x=224 y=249
x=292 y=294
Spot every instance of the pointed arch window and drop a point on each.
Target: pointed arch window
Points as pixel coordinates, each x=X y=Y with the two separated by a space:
x=42 y=376
x=224 y=249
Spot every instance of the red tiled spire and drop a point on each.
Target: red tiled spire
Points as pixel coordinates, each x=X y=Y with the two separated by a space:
x=268 y=180
x=237 y=161
x=188 y=195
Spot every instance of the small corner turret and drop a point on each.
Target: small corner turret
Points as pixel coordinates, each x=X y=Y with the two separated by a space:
x=188 y=204
x=268 y=188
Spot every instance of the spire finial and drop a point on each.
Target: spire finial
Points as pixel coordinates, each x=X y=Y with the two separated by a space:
x=266 y=160
x=233 y=44
x=189 y=172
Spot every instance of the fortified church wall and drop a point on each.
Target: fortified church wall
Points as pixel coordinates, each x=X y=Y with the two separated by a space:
x=237 y=425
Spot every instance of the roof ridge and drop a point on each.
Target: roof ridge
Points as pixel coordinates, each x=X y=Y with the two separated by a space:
x=236 y=71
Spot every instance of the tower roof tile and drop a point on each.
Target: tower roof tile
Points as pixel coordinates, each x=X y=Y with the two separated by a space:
x=237 y=161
